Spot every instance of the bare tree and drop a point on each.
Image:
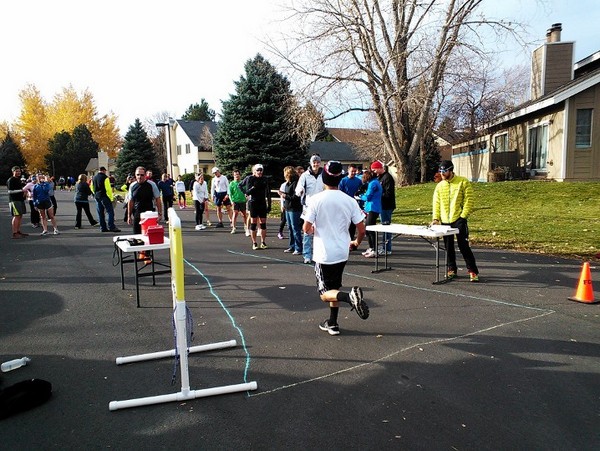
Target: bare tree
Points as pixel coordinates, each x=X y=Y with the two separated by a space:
x=377 y=52
x=477 y=92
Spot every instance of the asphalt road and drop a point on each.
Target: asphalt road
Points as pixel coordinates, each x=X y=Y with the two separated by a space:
x=508 y=363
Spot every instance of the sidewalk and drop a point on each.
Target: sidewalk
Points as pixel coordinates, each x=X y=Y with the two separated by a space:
x=508 y=363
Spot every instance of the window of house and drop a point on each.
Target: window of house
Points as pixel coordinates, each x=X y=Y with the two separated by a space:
x=187 y=148
x=501 y=142
x=178 y=149
x=583 y=128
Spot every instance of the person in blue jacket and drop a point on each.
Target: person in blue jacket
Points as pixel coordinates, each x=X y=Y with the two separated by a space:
x=372 y=207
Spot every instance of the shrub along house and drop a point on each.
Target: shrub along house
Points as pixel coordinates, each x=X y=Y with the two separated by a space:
x=553 y=136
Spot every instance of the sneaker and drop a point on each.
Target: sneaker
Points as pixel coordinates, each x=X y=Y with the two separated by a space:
x=56 y=232
x=44 y=232
x=95 y=224
x=219 y=225
x=247 y=231
x=254 y=246
x=296 y=253
x=263 y=246
x=77 y=228
x=369 y=254
x=35 y=226
x=307 y=261
x=451 y=274
x=331 y=330
x=473 y=277
x=202 y=227
x=368 y=251
x=289 y=250
x=280 y=236
x=198 y=227
x=232 y=230
x=208 y=223
x=356 y=300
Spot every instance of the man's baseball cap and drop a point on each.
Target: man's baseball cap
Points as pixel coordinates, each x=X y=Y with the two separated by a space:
x=257 y=166
x=446 y=165
x=215 y=169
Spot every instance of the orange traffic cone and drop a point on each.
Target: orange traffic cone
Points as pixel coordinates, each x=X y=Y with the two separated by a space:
x=585 y=291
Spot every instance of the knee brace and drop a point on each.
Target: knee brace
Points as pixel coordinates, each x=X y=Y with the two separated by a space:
x=263 y=226
x=253 y=227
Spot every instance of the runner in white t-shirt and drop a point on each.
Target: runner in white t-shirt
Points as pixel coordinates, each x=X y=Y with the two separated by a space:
x=327 y=218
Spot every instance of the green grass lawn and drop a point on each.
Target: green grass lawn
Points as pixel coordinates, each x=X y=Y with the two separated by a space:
x=542 y=217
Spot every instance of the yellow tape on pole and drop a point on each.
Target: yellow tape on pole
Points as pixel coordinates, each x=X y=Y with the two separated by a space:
x=176 y=238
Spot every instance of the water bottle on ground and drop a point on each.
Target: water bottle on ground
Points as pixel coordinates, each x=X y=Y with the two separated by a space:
x=14 y=364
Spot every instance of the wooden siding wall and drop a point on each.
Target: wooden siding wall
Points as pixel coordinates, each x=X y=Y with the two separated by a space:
x=584 y=164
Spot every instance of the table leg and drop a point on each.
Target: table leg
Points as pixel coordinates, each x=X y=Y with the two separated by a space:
x=137 y=280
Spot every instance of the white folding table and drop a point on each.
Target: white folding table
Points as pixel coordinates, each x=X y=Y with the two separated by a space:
x=431 y=234
x=123 y=247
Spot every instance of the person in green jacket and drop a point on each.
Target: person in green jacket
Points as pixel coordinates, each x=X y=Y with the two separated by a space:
x=238 y=199
x=452 y=205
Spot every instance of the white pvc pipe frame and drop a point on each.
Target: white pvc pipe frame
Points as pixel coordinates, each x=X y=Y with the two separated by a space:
x=178 y=288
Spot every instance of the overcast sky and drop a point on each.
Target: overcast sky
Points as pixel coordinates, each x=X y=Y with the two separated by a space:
x=139 y=58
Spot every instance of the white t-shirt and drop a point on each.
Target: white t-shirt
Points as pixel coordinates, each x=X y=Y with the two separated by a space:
x=219 y=184
x=331 y=212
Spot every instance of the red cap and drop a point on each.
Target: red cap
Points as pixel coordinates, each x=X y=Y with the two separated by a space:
x=377 y=165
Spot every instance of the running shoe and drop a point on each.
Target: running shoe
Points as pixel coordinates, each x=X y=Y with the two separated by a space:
x=198 y=227
x=219 y=225
x=232 y=230
x=473 y=277
x=357 y=303
x=307 y=261
x=368 y=251
x=296 y=253
x=263 y=246
x=369 y=254
x=56 y=232
x=289 y=250
x=331 y=330
x=451 y=274
x=254 y=246
x=280 y=236
x=44 y=233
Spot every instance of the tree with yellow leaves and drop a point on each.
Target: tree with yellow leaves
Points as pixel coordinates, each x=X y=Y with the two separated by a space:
x=39 y=121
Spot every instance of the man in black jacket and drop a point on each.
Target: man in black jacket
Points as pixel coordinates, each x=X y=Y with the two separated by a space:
x=388 y=202
x=104 y=197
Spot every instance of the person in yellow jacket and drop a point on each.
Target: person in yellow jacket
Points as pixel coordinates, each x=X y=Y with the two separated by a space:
x=452 y=205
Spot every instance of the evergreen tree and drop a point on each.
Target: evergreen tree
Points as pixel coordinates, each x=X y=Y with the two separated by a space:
x=81 y=149
x=70 y=153
x=57 y=159
x=199 y=112
x=10 y=155
x=255 y=124
x=137 y=151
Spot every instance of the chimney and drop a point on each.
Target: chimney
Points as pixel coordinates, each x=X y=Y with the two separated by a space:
x=552 y=64
x=553 y=34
